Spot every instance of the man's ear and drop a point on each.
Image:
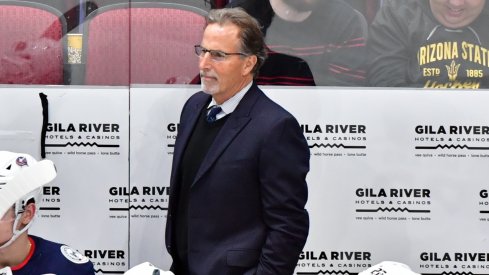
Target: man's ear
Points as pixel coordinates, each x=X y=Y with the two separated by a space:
x=29 y=213
x=249 y=64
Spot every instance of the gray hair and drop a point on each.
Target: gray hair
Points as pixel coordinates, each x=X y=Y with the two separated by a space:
x=252 y=40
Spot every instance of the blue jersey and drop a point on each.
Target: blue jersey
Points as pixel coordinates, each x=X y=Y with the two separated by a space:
x=48 y=257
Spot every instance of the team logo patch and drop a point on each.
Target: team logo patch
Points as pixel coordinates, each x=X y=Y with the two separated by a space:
x=21 y=161
x=73 y=255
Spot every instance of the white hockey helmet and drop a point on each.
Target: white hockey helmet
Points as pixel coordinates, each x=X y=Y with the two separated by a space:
x=389 y=268
x=147 y=268
x=21 y=179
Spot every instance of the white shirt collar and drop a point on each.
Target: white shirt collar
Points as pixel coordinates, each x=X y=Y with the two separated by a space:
x=230 y=105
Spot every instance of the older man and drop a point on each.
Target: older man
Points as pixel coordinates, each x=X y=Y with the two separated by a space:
x=238 y=187
x=430 y=44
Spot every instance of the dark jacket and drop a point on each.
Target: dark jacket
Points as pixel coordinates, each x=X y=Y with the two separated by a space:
x=246 y=204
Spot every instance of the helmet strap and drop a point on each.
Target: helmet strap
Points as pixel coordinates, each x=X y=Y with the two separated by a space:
x=16 y=232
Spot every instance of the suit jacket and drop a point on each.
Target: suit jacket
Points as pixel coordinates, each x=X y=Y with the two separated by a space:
x=246 y=210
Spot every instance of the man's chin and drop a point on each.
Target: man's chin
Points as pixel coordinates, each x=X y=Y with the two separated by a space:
x=206 y=89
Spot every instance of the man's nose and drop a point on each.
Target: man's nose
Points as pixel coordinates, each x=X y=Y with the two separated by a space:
x=456 y=3
x=205 y=61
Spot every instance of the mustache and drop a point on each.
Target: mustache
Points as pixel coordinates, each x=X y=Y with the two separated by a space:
x=207 y=74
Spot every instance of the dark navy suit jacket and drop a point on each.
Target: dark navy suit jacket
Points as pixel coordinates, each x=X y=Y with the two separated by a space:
x=246 y=204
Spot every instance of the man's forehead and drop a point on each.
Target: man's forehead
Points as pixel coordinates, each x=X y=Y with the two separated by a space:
x=225 y=28
x=221 y=37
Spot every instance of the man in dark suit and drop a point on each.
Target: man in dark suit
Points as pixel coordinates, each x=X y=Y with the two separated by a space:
x=238 y=187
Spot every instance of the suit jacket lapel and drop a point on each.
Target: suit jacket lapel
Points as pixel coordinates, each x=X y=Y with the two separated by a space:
x=236 y=122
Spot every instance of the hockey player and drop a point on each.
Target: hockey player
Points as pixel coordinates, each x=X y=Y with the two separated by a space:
x=21 y=179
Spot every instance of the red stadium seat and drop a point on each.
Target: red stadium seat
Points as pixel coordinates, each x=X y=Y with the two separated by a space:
x=146 y=43
x=31 y=44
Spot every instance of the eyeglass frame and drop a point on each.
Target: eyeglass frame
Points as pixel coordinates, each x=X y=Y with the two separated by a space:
x=216 y=55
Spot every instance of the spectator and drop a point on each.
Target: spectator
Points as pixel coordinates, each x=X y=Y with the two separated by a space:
x=320 y=42
x=430 y=44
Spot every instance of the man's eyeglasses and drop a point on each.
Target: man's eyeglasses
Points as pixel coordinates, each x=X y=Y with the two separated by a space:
x=215 y=54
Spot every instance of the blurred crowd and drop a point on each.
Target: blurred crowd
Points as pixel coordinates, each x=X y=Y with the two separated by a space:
x=377 y=43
